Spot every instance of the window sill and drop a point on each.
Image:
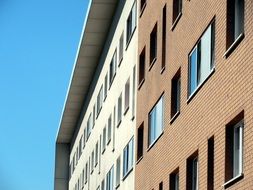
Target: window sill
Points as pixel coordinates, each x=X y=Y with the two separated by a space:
x=199 y=86
x=141 y=83
x=99 y=112
x=234 y=45
x=120 y=61
x=162 y=70
x=118 y=124
x=127 y=174
x=174 y=117
x=233 y=180
x=153 y=143
x=176 y=21
x=117 y=186
x=137 y=162
x=103 y=151
x=105 y=98
x=152 y=64
x=133 y=117
x=142 y=9
x=130 y=38
x=108 y=142
x=112 y=81
x=126 y=110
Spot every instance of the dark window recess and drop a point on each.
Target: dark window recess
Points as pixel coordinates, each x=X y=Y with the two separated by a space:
x=153 y=44
x=210 y=164
x=175 y=93
x=192 y=172
x=174 y=180
x=161 y=186
x=235 y=20
x=142 y=60
x=140 y=142
x=164 y=19
x=177 y=9
x=143 y=3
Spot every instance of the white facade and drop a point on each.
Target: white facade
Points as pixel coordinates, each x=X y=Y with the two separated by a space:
x=87 y=149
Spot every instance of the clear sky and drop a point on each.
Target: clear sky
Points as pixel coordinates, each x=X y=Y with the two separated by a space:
x=38 y=44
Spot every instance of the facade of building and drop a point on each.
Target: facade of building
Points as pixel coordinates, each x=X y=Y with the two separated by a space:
x=194 y=97
x=96 y=138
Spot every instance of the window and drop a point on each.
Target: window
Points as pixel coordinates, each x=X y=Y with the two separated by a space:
x=164 y=36
x=153 y=45
x=210 y=163
x=121 y=47
x=109 y=179
x=99 y=100
x=155 y=122
x=133 y=92
x=140 y=142
x=131 y=23
x=113 y=66
x=142 y=59
x=119 y=109
x=235 y=21
x=92 y=162
x=83 y=178
x=109 y=131
x=192 y=172
x=174 y=180
x=143 y=4
x=161 y=186
x=177 y=10
x=234 y=149
x=128 y=157
x=86 y=172
x=118 y=172
x=127 y=94
x=89 y=127
x=104 y=139
x=201 y=60
x=77 y=155
x=84 y=137
x=105 y=86
x=96 y=154
x=175 y=94
x=94 y=116
x=103 y=185
x=80 y=146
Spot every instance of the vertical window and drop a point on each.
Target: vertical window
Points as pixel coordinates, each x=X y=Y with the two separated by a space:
x=161 y=186
x=143 y=4
x=113 y=124
x=96 y=154
x=177 y=10
x=192 y=172
x=94 y=115
x=104 y=139
x=234 y=149
x=201 y=60
x=84 y=137
x=142 y=60
x=109 y=179
x=153 y=44
x=156 y=122
x=133 y=93
x=175 y=94
x=121 y=47
x=119 y=108
x=131 y=23
x=140 y=142
x=86 y=172
x=113 y=66
x=99 y=100
x=127 y=94
x=109 y=131
x=118 y=172
x=235 y=20
x=105 y=86
x=164 y=36
x=83 y=178
x=103 y=185
x=77 y=155
x=174 y=180
x=128 y=157
x=92 y=161
x=80 y=146
x=210 y=163
x=89 y=127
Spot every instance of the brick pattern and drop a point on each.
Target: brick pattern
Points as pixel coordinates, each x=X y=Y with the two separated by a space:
x=227 y=92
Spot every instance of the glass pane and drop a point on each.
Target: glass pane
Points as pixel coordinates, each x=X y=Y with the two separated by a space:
x=193 y=71
x=159 y=118
x=239 y=18
x=236 y=154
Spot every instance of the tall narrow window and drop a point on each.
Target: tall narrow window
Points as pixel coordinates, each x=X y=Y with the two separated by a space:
x=103 y=185
x=94 y=115
x=164 y=36
x=118 y=172
x=142 y=5
x=99 y=100
x=156 y=123
x=86 y=172
x=84 y=137
x=121 y=47
x=175 y=94
x=119 y=109
x=113 y=66
x=201 y=60
x=153 y=45
x=234 y=149
x=131 y=23
x=210 y=164
x=235 y=21
x=105 y=86
x=192 y=172
x=104 y=139
x=89 y=127
x=80 y=146
x=109 y=131
x=96 y=154
x=109 y=179
x=142 y=60
x=161 y=186
x=133 y=92
x=128 y=157
x=114 y=126
x=174 y=180
x=127 y=95
x=177 y=10
x=92 y=162
x=140 y=142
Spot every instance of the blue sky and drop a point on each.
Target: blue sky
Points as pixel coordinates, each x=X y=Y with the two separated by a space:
x=38 y=44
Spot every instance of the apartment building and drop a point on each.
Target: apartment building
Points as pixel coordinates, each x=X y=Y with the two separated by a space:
x=96 y=138
x=194 y=98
